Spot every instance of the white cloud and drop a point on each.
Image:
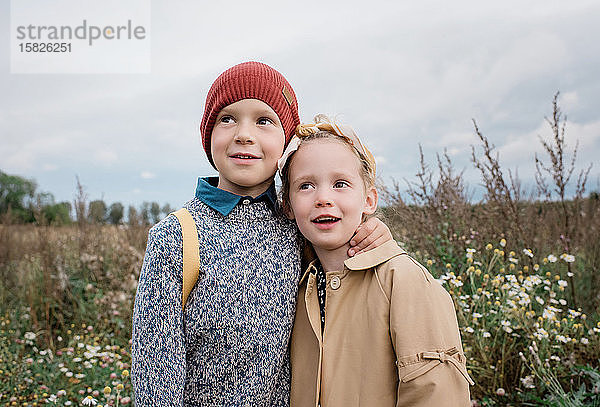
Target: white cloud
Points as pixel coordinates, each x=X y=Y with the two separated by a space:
x=569 y=101
x=532 y=55
x=19 y=161
x=105 y=157
x=147 y=175
x=519 y=150
x=454 y=140
x=380 y=160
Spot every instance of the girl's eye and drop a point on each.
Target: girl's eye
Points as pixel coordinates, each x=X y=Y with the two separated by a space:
x=306 y=185
x=263 y=121
x=341 y=184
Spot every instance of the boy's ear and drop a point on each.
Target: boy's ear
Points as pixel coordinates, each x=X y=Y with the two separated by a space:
x=371 y=199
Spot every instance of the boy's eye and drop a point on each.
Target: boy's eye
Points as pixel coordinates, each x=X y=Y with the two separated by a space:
x=263 y=121
x=341 y=184
x=226 y=119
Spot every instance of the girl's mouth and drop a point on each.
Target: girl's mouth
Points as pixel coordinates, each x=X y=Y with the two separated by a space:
x=326 y=220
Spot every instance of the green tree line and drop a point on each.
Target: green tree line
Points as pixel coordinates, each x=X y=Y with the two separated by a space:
x=20 y=202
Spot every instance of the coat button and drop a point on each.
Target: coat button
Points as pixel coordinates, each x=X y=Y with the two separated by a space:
x=246 y=201
x=335 y=283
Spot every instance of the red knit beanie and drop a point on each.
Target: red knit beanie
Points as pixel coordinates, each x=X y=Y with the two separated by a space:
x=250 y=80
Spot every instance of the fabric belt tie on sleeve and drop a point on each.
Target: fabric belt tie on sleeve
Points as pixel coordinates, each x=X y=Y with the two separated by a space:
x=435 y=359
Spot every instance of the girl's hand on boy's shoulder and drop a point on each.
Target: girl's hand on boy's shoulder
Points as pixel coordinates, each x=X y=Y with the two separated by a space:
x=370 y=234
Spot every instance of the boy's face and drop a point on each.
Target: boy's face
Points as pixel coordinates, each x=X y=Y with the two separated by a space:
x=327 y=193
x=246 y=143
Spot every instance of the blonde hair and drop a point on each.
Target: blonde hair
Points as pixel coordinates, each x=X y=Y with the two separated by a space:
x=325 y=129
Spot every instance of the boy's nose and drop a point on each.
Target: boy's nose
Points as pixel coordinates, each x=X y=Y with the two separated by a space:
x=244 y=134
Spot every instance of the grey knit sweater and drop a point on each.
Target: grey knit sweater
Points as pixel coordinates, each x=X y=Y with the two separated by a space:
x=230 y=345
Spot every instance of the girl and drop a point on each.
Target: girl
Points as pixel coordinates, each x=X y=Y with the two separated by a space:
x=375 y=329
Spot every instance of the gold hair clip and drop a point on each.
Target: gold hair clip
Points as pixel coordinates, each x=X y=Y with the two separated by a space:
x=308 y=129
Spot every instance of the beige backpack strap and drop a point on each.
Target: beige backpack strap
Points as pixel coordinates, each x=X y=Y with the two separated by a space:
x=191 y=256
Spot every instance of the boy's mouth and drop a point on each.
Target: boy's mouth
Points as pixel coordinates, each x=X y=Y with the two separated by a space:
x=244 y=156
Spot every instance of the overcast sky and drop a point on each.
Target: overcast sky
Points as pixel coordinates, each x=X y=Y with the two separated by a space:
x=401 y=73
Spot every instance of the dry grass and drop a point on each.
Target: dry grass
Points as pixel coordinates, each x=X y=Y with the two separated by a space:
x=65 y=274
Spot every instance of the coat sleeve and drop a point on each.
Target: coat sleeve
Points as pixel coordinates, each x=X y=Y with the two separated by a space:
x=158 y=344
x=426 y=339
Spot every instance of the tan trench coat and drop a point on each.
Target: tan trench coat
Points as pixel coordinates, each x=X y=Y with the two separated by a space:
x=391 y=337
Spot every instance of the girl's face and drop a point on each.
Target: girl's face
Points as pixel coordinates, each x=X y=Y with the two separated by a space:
x=327 y=195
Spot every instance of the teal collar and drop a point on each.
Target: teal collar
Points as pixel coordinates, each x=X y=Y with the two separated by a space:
x=224 y=201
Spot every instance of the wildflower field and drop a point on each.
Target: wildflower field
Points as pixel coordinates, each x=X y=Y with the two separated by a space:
x=524 y=273
x=524 y=339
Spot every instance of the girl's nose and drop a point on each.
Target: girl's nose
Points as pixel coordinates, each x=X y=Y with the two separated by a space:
x=323 y=201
